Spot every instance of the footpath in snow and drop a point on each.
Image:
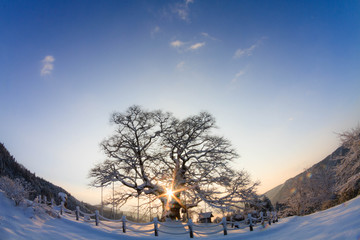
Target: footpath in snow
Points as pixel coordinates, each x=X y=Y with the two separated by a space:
x=340 y=222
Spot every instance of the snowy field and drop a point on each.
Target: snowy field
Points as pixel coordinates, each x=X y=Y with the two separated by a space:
x=340 y=222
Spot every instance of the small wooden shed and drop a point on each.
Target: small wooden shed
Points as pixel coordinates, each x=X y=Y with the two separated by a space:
x=205 y=217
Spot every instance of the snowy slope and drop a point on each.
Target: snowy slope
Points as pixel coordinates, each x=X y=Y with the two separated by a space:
x=340 y=222
x=282 y=192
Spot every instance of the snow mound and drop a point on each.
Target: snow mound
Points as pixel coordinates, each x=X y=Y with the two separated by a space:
x=340 y=222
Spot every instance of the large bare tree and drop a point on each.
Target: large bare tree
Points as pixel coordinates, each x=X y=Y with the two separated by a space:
x=180 y=162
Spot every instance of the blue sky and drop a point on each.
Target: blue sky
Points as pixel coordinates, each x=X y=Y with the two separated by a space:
x=280 y=77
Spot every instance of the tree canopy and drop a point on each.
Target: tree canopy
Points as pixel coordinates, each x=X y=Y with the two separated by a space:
x=179 y=162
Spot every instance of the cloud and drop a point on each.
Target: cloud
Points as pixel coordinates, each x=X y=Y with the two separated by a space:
x=177 y=43
x=196 y=46
x=247 y=51
x=180 y=66
x=182 y=10
x=48 y=65
x=154 y=31
x=209 y=36
x=238 y=75
x=186 y=46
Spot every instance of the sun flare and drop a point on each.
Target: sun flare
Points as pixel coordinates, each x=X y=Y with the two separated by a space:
x=169 y=192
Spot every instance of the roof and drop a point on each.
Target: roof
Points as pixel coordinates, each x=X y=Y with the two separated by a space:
x=205 y=215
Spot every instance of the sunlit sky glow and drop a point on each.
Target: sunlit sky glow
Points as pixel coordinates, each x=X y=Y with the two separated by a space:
x=280 y=77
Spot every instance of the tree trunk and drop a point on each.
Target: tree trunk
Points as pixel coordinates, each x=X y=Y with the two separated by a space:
x=178 y=184
x=173 y=212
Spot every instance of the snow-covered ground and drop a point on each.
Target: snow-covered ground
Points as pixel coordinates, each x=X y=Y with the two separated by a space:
x=340 y=222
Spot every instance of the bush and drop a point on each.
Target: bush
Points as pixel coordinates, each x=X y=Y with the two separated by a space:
x=349 y=194
x=13 y=189
x=329 y=204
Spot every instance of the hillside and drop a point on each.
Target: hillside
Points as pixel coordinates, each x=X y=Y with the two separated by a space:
x=340 y=222
x=38 y=186
x=325 y=173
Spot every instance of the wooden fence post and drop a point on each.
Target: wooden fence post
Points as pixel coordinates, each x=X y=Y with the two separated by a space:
x=273 y=216
x=250 y=222
x=269 y=217
x=224 y=225
x=62 y=208
x=156 y=226
x=190 y=225
x=262 y=219
x=77 y=212
x=97 y=217
x=123 y=219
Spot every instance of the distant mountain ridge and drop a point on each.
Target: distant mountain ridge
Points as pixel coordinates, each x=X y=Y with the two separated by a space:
x=11 y=168
x=348 y=183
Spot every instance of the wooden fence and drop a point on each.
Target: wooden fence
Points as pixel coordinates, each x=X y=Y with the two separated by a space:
x=173 y=228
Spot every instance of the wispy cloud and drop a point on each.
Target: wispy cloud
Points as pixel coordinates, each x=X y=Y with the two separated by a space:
x=247 y=51
x=238 y=75
x=196 y=46
x=182 y=10
x=48 y=65
x=177 y=43
x=154 y=31
x=180 y=66
x=186 y=46
x=204 y=34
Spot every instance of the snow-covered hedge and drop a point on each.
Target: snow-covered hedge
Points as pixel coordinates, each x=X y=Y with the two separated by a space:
x=13 y=189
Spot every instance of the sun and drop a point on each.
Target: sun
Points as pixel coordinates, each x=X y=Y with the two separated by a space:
x=169 y=193
x=172 y=194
